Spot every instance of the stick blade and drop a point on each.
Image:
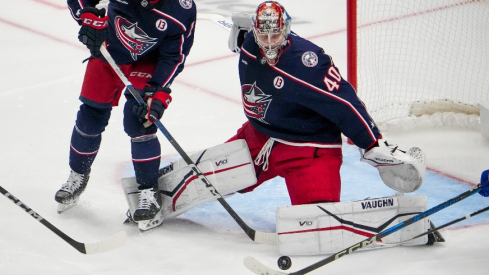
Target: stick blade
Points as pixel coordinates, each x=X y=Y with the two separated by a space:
x=258 y=268
x=108 y=244
x=265 y=238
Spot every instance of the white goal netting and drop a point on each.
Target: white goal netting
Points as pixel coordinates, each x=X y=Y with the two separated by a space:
x=420 y=58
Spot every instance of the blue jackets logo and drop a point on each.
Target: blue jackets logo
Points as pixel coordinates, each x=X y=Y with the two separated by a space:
x=186 y=4
x=309 y=59
x=136 y=41
x=255 y=102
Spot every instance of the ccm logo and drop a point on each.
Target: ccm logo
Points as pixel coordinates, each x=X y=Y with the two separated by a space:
x=305 y=223
x=98 y=24
x=140 y=74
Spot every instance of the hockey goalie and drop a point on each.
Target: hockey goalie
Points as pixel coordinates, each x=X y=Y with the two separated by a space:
x=297 y=107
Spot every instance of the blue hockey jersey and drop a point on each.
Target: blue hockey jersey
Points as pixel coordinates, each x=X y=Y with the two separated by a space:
x=165 y=31
x=303 y=98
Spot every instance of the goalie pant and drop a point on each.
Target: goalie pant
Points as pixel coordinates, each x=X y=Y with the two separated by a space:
x=228 y=167
x=326 y=228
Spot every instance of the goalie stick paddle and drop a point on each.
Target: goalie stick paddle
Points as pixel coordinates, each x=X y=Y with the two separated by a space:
x=85 y=248
x=256 y=236
x=261 y=269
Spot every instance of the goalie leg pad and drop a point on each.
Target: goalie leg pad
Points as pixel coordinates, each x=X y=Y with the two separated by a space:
x=326 y=228
x=228 y=167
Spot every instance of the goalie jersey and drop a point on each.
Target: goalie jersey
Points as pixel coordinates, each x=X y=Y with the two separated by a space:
x=303 y=98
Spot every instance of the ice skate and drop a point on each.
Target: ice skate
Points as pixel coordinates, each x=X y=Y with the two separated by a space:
x=70 y=191
x=148 y=224
x=148 y=213
x=149 y=205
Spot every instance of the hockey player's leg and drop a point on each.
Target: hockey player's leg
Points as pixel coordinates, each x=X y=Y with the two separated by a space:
x=146 y=154
x=312 y=174
x=85 y=143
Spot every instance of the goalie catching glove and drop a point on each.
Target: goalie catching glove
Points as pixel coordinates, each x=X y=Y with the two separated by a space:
x=401 y=170
x=157 y=99
x=242 y=24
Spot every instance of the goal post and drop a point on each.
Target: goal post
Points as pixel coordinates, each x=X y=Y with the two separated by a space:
x=419 y=60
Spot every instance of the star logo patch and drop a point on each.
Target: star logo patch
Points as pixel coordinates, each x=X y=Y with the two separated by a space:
x=136 y=41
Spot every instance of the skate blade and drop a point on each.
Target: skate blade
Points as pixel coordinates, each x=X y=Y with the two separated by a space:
x=129 y=221
x=62 y=207
x=151 y=224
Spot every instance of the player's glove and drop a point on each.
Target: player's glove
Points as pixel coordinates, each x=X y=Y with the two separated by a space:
x=93 y=31
x=157 y=99
x=401 y=170
x=242 y=24
x=485 y=184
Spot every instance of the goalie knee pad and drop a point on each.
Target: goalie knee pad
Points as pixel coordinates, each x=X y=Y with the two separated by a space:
x=228 y=167
x=327 y=228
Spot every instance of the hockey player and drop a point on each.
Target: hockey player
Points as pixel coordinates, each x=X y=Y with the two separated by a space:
x=485 y=184
x=149 y=40
x=298 y=105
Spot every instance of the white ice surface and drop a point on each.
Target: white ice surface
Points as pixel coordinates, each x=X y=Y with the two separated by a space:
x=41 y=76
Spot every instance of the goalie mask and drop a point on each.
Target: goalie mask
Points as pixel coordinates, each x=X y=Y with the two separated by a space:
x=271 y=27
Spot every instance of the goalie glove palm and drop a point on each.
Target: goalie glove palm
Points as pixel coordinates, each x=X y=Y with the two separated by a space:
x=400 y=170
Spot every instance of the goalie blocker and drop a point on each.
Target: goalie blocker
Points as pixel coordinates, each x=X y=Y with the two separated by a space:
x=228 y=167
x=325 y=228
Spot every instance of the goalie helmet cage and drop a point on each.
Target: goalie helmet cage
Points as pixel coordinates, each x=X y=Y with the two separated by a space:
x=418 y=63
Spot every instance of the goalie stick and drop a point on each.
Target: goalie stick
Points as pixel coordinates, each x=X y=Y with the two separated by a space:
x=466 y=217
x=217 y=19
x=256 y=236
x=85 y=248
x=258 y=268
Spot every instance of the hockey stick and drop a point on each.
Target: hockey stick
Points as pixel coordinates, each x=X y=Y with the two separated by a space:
x=259 y=237
x=216 y=18
x=466 y=217
x=259 y=268
x=85 y=248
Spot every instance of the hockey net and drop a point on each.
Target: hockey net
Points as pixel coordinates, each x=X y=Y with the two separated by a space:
x=418 y=63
